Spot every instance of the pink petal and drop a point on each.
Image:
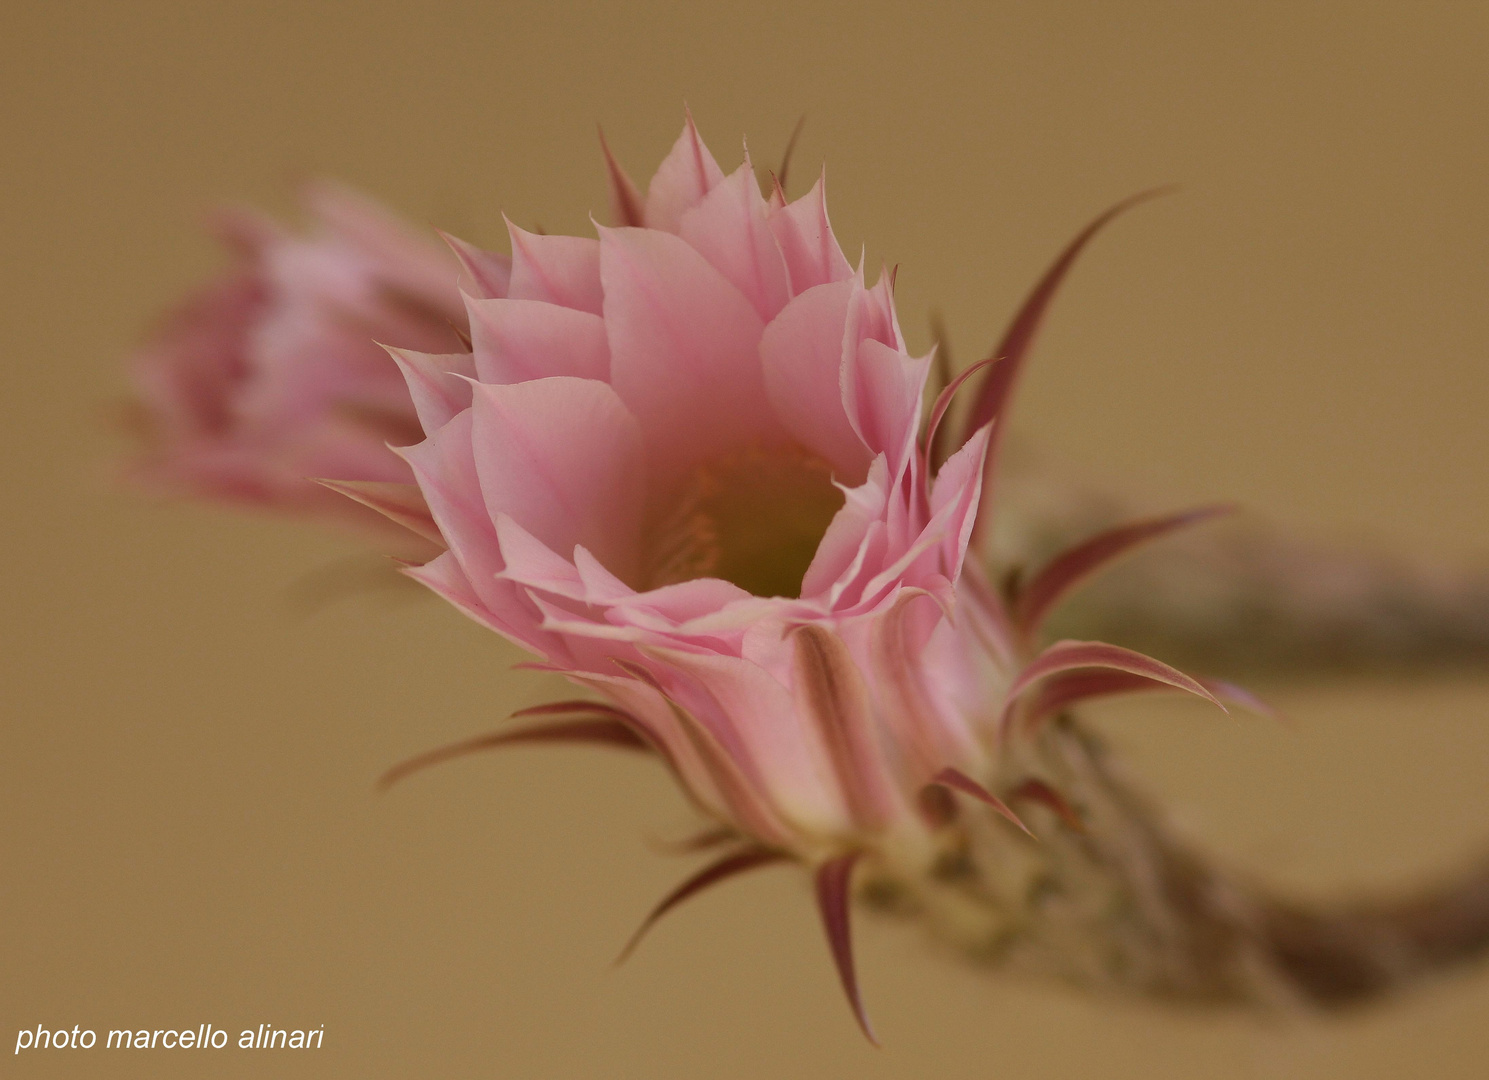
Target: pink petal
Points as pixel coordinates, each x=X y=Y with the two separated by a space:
x=833 y=895
x=957 y=492
x=438 y=384
x=812 y=254
x=752 y=712
x=869 y=558
x=518 y=340
x=563 y=270
x=564 y=458
x=485 y=274
x=727 y=867
x=534 y=565
x=729 y=228
x=686 y=175
x=1074 y=565
x=445 y=469
x=882 y=389
x=801 y=352
x=600 y=585
x=684 y=350
x=687 y=600
x=841 y=550
x=924 y=736
x=665 y=729
x=831 y=693
x=448 y=579
x=726 y=769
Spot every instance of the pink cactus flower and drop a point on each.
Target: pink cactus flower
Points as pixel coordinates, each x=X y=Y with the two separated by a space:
x=274 y=374
x=684 y=464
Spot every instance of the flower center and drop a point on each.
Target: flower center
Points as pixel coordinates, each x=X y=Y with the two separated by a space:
x=753 y=518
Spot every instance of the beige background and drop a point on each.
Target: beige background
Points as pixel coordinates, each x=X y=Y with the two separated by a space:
x=189 y=833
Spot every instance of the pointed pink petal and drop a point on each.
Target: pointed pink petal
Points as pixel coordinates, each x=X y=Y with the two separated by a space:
x=518 y=340
x=833 y=696
x=564 y=458
x=1076 y=564
x=445 y=468
x=727 y=867
x=925 y=734
x=997 y=389
x=403 y=503
x=602 y=732
x=882 y=389
x=563 y=270
x=960 y=781
x=842 y=546
x=446 y=578
x=1037 y=791
x=660 y=723
x=812 y=254
x=751 y=713
x=849 y=586
x=801 y=353
x=487 y=274
x=729 y=228
x=688 y=600
x=600 y=585
x=686 y=175
x=684 y=350
x=956 y=493
x=716 y=749
x=435 y=383
x=833 y=882
x=1064 y=656
x=532 y=563
x=626 y=208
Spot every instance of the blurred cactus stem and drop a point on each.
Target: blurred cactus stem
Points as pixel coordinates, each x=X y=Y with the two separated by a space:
x=1116 y=902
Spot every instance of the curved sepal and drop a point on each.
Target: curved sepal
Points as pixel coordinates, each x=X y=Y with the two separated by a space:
x=604 y=731
x=1074 y=565
x=997 y=388
x=833 y=881
x=720 y=870
x=1072 y=656
x=960 y=781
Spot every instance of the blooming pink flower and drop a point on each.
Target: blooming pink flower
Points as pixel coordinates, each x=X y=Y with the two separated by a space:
x=274 y=374
x=685 y=466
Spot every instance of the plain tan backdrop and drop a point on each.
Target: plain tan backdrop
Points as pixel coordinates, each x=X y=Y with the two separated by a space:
x=189 y=830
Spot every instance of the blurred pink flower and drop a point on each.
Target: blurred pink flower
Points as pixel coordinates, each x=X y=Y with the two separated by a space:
x=274 y=373
x=685 y=466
